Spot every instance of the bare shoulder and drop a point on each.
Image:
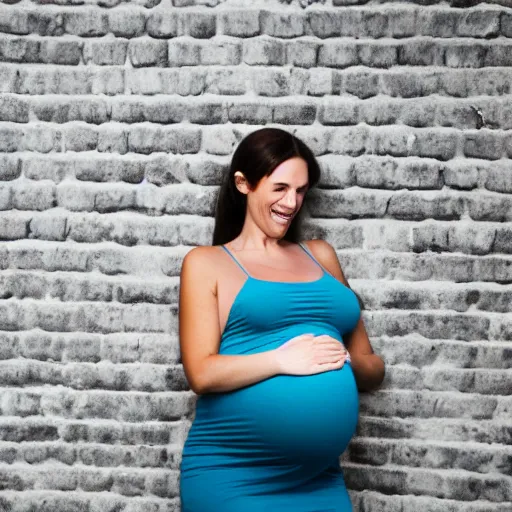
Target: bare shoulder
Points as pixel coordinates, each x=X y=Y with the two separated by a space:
x=201 y=263
x=200 y=255
x=321 y=249
x=325 y=253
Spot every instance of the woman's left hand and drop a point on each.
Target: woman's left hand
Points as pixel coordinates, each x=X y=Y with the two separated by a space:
x=327 y=337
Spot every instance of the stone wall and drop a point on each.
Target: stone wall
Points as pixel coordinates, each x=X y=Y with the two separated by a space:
x=117 y=121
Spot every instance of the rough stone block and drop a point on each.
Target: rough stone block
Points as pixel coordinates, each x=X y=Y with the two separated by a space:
x=108 y=81
x=54 y=51
x=13 y=226
x=8 y=79
x=20 y=50
x=499 y=55
x=469 y=238
x=184 y=52
x=294 y=113
x=269 y=82
x=42 y=139
x=75 y=197
x=14 y=21
x=112 y=139
x=263 y=50
x=13 y=108
x=324 y=24
x=206 y=113
x=254 y=112
x=362 y=83
x=391 y=140
x=147 y=52
x=51 y=225
x=351 y=141
x=376 y=55
x=282 y=24
x=222 y=52
x=338 y=55
x=125 y=22
x=420 y=53
x=498 y=177
x=402 y=22
x=436 y=144
x=374 y=23
x=436 y=22
x=349 y=204
x=302 y=53
x=106 y=168
x=11 y=138
x=483 y=144
x=161 y=24
x=10 y=167
x=240 y=23
x=5 y=196
x=64 y=110
x=200 y=25
x=80 y=137
x=380 y=111
x=33 y=195
x=465 y=55
x=161 y=111
x=105 y=53
x=417 y=207
x=479 y=23
x=339 y=112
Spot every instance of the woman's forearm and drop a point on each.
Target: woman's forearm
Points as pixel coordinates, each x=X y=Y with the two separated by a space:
x=368 y=370
x=221 y=373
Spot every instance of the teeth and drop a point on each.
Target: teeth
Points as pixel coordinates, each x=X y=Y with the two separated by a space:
x=280 y=218
x=285 y=215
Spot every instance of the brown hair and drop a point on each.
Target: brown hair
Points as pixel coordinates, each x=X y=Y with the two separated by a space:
x=257 y=155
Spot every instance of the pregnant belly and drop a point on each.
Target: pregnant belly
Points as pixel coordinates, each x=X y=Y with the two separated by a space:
x=298 y=418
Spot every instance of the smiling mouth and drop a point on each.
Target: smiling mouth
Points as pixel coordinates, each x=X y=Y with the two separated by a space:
x=281 y=217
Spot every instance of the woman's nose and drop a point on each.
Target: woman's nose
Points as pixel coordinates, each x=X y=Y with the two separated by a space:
x=291 y=201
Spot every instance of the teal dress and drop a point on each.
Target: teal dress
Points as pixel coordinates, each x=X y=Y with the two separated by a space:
x=274 y=446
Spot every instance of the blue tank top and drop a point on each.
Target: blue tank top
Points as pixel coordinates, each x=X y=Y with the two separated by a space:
x=266 y=313
x=299 y=425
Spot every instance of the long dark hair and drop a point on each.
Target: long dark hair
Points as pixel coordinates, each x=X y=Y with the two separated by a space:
x=257 y=155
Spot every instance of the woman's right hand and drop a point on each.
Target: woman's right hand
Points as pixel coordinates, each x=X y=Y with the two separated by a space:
x=308 y=354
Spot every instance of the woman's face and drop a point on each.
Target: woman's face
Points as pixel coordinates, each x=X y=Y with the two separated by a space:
x=277 y=198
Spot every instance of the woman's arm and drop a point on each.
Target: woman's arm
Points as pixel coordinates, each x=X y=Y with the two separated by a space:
x=199 y=333
x=368 y=367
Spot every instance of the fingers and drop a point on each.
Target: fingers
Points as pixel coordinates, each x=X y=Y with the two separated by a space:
x=325 y=367
x=329 y=343
x=304 y=336
x=334 y=356
x=326 y=339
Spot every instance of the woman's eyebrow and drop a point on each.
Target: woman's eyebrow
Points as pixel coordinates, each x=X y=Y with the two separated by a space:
x=287 y=185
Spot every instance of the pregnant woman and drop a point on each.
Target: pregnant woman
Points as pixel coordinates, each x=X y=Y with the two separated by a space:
x=272 y=341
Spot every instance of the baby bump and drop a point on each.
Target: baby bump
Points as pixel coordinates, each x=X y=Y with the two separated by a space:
x=311 y=416
x=297 y=417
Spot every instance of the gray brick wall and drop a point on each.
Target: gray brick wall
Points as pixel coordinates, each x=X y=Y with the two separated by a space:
x=117 y=120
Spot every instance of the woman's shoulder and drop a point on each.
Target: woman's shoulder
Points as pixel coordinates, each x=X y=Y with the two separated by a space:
x=202 y=254
x=202 y=260
x=320 y=249
x=326 y=255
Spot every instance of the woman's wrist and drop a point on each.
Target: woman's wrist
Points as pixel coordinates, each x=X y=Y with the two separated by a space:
x=274 y=361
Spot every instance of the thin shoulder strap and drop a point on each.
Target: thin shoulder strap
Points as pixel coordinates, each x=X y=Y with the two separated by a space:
x=235 y=260
x=310 y=254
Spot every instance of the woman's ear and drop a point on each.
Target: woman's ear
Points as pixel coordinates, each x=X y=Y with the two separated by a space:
x=241 y=183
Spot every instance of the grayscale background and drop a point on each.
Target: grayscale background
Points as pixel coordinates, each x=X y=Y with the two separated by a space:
x=117 y=121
